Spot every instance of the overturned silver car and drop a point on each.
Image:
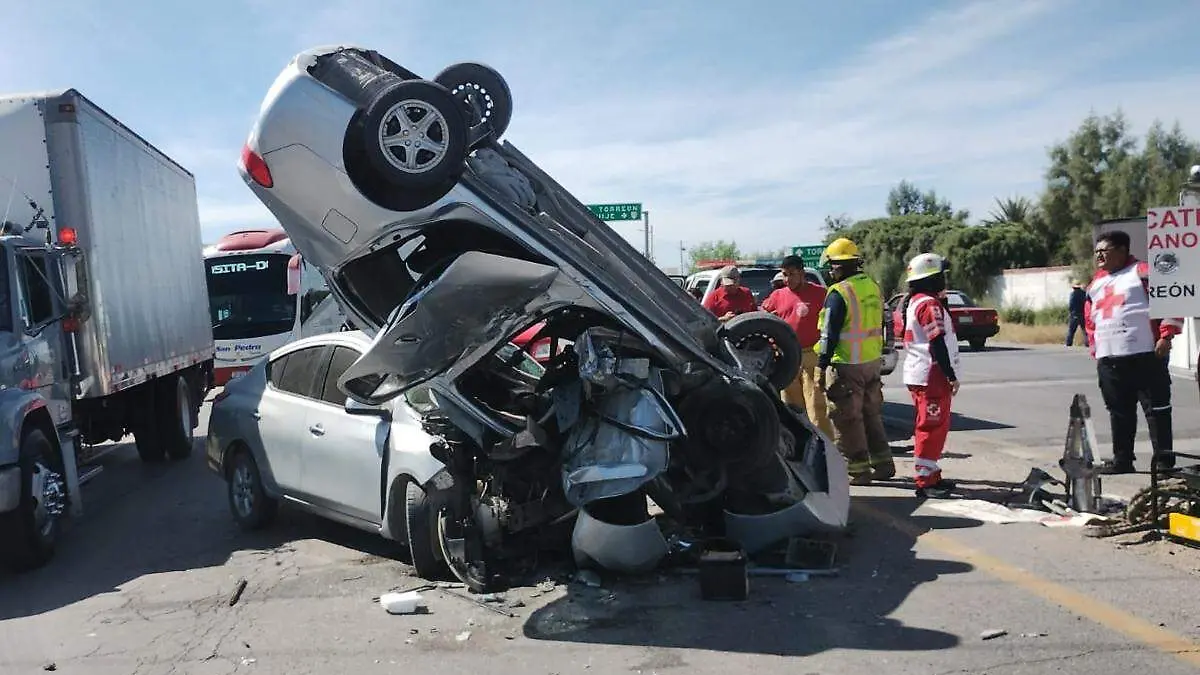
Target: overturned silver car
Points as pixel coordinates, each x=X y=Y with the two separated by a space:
x=444 y=243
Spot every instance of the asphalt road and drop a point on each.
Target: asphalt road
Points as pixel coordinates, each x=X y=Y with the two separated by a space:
x=1021 y=397
x=143 y=584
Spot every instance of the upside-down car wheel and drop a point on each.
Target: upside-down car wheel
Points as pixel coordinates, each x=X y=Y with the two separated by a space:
x=482 y=92
x=414 y=135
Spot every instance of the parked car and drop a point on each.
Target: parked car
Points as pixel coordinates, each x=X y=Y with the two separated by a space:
x=444 y=243
x=538 y=346
x=757 y=279
x=973 y=324
x=285 y=432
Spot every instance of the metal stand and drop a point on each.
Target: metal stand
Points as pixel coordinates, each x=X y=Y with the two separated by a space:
x=1079 y=459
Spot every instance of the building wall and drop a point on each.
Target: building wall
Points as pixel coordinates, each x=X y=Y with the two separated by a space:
x=1035 y=288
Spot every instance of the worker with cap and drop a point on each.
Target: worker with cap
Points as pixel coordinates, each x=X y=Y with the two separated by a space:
x=851 y=342
x=930 y=369
x=730 y=297
x=799 y=303
x=778 y=281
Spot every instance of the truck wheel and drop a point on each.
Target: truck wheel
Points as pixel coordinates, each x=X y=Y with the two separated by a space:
x=482 y=91
x=149 y=443
x=415 y=135
x=30 y=532
x=765 y=344
x=175 y=416
x=252 y=507
x=419 y=533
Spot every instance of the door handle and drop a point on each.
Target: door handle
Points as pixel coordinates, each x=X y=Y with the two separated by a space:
x=317 y=430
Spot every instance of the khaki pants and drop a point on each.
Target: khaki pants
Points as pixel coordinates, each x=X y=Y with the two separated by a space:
x=856 y=408
x=804 y=394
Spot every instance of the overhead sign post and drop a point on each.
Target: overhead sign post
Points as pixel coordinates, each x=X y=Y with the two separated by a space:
x=1173 y=252
x=811 y=255
x=625 y=211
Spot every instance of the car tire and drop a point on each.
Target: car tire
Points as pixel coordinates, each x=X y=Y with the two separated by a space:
x=251 y=506
x=783 y=366
x=483 y=93
x=978 y=344
x=392 y=140
x=28 y=543
x=419 y=533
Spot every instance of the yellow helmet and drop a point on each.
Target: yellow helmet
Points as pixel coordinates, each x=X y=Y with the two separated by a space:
x=841 y=249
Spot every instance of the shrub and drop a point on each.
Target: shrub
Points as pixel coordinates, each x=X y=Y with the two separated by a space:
x=1047 y=316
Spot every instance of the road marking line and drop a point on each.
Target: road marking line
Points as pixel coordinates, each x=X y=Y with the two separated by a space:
x=1090 y=608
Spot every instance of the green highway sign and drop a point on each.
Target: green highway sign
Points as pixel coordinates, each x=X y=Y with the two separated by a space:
x=810 y=254
x=632 y=211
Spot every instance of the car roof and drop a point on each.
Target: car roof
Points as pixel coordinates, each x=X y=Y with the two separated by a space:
x=356 y=339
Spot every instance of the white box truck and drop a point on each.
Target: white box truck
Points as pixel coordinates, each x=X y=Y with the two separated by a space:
x=104 y=322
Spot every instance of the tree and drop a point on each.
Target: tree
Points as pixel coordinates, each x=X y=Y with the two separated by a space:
x=770 y=254
x=1011 y=210
x=1098 y=173
x=835 y=224
x=713 y=250
x=906 y=199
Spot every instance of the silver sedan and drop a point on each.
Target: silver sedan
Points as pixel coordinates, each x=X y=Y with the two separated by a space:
x=285 y=433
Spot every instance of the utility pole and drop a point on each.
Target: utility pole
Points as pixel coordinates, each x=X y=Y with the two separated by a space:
x=682 y=252
x=646 y=233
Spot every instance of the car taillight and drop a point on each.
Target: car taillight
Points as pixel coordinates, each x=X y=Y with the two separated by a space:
x=256 y=167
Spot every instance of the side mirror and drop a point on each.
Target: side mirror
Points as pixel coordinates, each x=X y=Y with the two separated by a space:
x=355 y=408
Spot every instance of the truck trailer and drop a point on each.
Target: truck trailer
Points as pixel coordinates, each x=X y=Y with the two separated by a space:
x=104 y=326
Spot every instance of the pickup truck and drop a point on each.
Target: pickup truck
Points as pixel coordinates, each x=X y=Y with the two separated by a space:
x=972 y=324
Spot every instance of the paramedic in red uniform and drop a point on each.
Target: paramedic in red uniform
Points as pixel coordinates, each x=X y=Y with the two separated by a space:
x=930 y=369
x=1131 y=352
x=730 y=297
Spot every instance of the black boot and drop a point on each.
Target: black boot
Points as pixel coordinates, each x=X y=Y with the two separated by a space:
x=939 y=490
x=1113 y=467
x=1163 y=461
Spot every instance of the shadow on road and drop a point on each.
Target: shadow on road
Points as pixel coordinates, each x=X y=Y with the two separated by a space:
x=902 y=415
x=145 y=519
x=879 y=569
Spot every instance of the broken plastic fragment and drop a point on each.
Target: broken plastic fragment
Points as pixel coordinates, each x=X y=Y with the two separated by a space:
x=401 y=603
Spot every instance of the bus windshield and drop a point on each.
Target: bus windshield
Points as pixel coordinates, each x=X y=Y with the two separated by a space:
x=247 y=296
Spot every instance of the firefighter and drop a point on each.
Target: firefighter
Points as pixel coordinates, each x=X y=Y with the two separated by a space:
x=851 y=342
x=1131 y=352
x=930 y=369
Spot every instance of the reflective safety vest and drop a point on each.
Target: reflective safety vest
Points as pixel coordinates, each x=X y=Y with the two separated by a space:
x=861 y=339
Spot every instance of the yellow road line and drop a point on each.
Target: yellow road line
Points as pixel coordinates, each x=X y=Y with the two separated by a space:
x=1088 y=607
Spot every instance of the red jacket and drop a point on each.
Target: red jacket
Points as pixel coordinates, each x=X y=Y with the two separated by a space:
x=1161 y=327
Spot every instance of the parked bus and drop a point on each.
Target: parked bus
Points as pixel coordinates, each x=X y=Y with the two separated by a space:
x=262 y=295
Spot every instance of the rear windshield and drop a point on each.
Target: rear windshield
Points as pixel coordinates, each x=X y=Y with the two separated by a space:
x=759 y=282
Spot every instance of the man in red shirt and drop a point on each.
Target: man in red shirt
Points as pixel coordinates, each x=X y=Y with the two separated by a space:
x=799 y=303
x=730 y=297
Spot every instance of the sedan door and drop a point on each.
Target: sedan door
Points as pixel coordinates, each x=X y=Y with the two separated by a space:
x=343 y=453
x=280 y=414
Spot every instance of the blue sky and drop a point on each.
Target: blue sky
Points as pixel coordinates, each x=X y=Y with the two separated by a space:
x=749 y=120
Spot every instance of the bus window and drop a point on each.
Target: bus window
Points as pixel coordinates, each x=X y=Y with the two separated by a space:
x=248 y=296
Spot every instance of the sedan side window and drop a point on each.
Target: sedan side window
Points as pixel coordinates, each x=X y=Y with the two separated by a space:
x=276 y=370
x=301 y=372
x=343 y=358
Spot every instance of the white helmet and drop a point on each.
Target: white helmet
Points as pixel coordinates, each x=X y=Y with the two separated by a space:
x=925 y=265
